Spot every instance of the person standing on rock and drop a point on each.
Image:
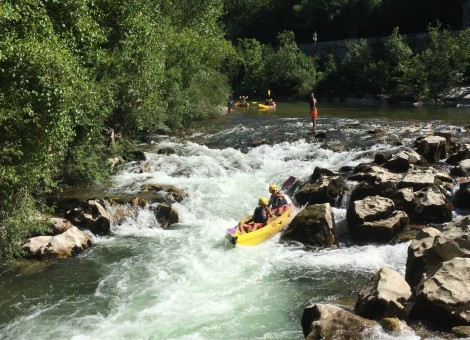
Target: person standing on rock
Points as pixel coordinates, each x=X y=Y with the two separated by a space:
x=313 y=109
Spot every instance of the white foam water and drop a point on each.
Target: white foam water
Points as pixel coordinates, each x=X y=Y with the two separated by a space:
x=144 y=282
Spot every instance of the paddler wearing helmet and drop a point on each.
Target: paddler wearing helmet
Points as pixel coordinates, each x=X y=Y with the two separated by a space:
x=260 y=217
x=277 y=201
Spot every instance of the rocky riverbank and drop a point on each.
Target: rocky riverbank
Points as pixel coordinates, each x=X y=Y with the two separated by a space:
x=405 y=195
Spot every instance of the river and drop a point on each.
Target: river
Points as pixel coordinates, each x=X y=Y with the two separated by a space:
x=143 y=282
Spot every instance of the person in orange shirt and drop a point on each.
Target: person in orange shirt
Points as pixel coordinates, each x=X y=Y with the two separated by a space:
x=313 y=109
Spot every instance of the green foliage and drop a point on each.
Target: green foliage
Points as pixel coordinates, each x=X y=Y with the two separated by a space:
x=18 y=221
x=70 y=69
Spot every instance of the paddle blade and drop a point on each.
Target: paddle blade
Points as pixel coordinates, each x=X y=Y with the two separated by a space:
x=289 y=182
x=232 y=230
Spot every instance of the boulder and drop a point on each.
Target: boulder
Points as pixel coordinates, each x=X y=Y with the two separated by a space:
x=313 y=226
x=365 y=189
x=395 y=326
x=382 y=230
x=91 y=215
x=165 y=215
x=443 y=296
x=431 y=206
x=69 y=243
x=372 y=208
x=432 y=247
x=461 y=170
x=374 y=174
x=322 y=321
x=404 y=199
x=173 y=193
x=432 y=148
x=385 y=286
x=461 y=331
x=396 y=310
x=462 y=195
x=459 y=156
x=59 y=225
x=417 y=181
x=403 y=161
x=324 y=186
x=416 y=262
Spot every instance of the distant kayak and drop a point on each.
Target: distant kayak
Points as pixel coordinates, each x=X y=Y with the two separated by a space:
x=264 y=107
x=246 y=104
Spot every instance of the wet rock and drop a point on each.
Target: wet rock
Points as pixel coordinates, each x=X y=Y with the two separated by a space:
x=173 y=193
x=166 y=151
x=137 y=155
x=91 y=215
x=461 y=331
x=432 y=148
x=71 y=242
x=59 y=225
x=374 y=174
x=165 y=215
x=417 y=262
x=459 y=156
x=432 y=247
x=417 y=181
x=385 y=286
x=407 y=234
x=324 y=186
x=382 y=230
x=396 y=310
x=404 y=199
x=461 y=170
x=431 y=206
x=381 y=157
x=443 y=296
x=365 y=189
x=462 y=195
x=313 y=226
x=403 y=161
x=323 y=321
x=394 y=326
x=372 y=208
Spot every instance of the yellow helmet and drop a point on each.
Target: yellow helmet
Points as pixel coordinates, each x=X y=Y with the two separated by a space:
x=263 y=200
x=273 y=187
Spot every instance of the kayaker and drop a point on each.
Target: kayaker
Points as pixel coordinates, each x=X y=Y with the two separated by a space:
x=313 y=109
x=277 y=201
x=260 y=217
x=229 y=102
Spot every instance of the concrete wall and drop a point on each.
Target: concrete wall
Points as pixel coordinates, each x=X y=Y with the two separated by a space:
x=417 y=42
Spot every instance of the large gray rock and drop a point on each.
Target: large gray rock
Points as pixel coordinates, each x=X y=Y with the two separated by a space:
x=431 y=206
x=432 y=247
x=382 y=230
x=463 y=169
x=322 y=321
x=91 y=215
x=404 y=199
x=403 y=160
x=372 y=208
x=324 y=186
x=432 y=148
x=416 y=262
x=165 y=215
x=59 y=225
x=314 y=226
x=385 y=286
x=462 y=195
x=417 y=181
x=443 y=296
x=374 y=174
x=172 y=193
x=365 y=189
x=71 y=242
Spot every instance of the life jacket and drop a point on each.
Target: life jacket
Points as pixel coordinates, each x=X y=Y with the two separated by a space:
x=276 y=200
x=260 y=216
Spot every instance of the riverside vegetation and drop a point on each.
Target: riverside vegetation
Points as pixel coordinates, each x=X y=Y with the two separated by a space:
x=81 y=79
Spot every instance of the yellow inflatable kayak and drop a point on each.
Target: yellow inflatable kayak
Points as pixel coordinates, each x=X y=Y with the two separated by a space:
x=260 y=235
x=246 y=104
x=263 y=106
